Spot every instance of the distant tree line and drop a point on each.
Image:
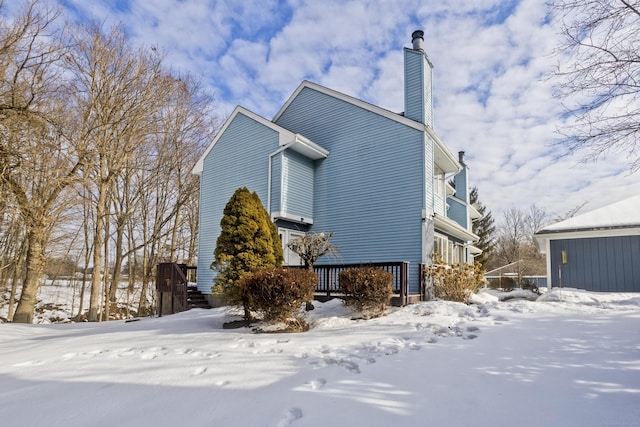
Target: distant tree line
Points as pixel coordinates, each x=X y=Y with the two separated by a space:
x=97 y=141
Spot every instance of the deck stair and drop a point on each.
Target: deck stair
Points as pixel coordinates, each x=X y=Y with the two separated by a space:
x=196 y=299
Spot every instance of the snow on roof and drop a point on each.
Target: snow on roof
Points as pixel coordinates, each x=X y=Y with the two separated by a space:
x=625 y=213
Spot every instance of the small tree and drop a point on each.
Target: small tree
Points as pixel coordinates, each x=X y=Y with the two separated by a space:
x=248 y=242
x=483 y=227
x=311 y=246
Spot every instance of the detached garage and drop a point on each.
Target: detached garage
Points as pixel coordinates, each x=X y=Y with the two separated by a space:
x=595 y=251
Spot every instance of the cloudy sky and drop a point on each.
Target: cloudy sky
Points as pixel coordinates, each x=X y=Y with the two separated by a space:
x=492 y=59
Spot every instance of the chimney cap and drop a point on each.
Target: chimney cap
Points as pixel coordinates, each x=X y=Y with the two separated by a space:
x=417 y=38
x=461 y=157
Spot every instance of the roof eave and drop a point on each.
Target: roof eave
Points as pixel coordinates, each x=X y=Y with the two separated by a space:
x=453 y=228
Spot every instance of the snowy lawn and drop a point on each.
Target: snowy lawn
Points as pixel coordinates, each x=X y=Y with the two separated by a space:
x=568 y=359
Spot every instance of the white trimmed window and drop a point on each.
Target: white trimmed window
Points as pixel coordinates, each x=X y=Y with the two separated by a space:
x=451 y=252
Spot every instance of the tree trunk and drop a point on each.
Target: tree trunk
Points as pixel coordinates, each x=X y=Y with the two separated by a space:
x=104 y=315
x=14 y=289
x=17 y=269
x=119 y=257
x=98 y=247
x=34 y=265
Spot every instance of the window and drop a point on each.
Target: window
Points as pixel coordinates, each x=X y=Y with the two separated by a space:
x=451 y=252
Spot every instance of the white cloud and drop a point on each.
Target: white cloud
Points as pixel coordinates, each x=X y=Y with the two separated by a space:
x=491 y=60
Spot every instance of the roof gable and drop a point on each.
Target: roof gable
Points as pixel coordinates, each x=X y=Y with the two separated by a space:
x=622 y=214
x=286 y=138
x=444 y=157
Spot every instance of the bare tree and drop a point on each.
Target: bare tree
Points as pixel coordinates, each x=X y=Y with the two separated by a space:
x=571 y=212
x=91 y=123
x=311 y=246
x=514 y=243
x=600 y=83
x=39 y=165
x=534 y=220
x=12 y=249
x=117 y=87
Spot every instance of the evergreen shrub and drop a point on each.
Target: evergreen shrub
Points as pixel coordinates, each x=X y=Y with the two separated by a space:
x=366 y=289
x=248 y=242
x=278 y=293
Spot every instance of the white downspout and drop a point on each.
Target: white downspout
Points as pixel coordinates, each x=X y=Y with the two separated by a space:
x=278 y=151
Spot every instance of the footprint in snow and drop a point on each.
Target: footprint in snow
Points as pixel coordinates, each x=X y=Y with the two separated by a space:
x=467 y=336
x=290 y=417
x=222 y=383
x=199 y=370
x=125 y=352
x=317 y=384
x=148 y=356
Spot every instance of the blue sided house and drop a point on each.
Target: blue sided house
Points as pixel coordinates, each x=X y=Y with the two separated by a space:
x=328 y=162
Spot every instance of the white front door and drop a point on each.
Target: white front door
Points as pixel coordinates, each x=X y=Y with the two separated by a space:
x=290 y=257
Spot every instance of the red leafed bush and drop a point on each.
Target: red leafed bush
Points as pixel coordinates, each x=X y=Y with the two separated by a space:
x=278 y=293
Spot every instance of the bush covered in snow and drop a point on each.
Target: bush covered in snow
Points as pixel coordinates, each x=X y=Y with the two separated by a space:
x=367 y=289
x=457 y=282
x=278 y=293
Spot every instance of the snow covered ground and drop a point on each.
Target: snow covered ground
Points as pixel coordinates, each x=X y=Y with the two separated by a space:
x=570 y=358
x=59 y=300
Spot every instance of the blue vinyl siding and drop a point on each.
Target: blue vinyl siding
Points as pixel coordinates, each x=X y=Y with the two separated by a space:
x=607 y=264
x=370 y=190
x=297 y=185
x=417 y=87
x=457 y=212
x=276 y=183
x=239 y=158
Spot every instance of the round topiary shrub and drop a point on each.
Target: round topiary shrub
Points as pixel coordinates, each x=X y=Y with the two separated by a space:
x=367 y=289
x=278 y=293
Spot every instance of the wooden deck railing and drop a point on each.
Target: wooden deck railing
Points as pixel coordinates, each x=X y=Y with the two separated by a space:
x=329 y=282
x=171 y=283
